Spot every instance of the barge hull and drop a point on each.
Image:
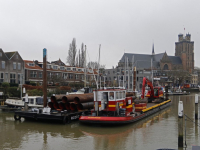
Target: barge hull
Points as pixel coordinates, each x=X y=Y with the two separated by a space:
x=121 y=120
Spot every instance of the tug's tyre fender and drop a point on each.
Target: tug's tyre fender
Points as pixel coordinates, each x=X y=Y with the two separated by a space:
x=16 y=117
x=64 y=120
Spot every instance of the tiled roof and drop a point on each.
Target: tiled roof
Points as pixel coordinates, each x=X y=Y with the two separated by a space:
x=144 y=60
x=36 y=67
x=175 y=60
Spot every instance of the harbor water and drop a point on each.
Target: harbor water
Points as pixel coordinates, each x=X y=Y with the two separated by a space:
x=154 y=132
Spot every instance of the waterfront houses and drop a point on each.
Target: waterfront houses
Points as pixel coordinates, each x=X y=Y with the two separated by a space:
x=11 y=67
x=58 y=72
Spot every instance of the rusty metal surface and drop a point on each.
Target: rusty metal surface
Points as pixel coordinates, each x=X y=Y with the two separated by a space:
x=84 y=98
x=128 y=94
x=61 y=105
x=83 y=106
x=73 y=107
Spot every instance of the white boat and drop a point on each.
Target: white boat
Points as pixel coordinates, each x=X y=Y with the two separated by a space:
x=80 y=91
x=33 y=101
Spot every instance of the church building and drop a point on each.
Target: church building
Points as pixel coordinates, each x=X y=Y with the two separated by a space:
x=183 y=59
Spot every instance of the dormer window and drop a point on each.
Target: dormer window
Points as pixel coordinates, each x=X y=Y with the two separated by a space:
x=68 y=69
x=48 y=66
x=79 y=70
x=62 y=68
x=31 y=64
x=55 y=67
x=74 y=69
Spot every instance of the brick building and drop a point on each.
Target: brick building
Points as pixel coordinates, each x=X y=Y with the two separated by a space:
x=58 y=72
x=185 y=50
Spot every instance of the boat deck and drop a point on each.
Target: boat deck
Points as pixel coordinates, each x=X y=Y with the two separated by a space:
x=64 y=117
x=152 y=108
x=6 y=108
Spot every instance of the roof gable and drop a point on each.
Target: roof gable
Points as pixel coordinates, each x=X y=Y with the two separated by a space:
x=10 y=54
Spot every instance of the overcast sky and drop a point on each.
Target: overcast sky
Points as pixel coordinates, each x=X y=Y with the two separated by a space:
x=130 y=26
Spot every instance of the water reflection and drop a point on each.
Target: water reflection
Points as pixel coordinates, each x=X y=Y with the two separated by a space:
x=116 y=137
x=156 y=131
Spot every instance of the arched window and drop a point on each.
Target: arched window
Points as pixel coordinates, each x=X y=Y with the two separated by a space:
x=165 y=67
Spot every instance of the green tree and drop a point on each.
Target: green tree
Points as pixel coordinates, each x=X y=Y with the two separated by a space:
x=5 y=85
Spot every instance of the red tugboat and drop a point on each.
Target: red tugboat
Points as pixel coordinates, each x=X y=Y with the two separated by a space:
x=111 y=106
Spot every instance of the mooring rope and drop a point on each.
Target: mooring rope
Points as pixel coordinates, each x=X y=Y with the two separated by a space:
x=191 y=120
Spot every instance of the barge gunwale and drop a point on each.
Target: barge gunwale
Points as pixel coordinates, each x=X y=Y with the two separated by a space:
x=134 y=119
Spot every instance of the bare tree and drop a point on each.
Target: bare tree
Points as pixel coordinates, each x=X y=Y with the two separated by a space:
x=178 y=76
x=72 y=53
x=94 y=65
x=77 y=61
x=55 y=78
x=82 y=56
x=79 y=57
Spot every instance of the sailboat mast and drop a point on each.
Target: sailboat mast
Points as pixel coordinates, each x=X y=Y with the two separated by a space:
x=152 y=69
x=98 y=67
x=128 y=75
x=85 y=68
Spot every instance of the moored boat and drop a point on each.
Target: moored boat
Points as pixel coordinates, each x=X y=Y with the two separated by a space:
x=33 y=101
x=111 y=106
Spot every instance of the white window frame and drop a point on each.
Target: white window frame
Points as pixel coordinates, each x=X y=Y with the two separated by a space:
x=3 y=64
x=19 y=66
x=40 y=74
x=55 y=67
x=14 y=65
x=76 y=76
x=33 y=74
x=1 y=78
x=69 y=69
x=31 y=64
x=62 y=68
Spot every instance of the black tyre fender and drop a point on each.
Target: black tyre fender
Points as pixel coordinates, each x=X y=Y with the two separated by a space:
x=17 y=117
x=65 y=120
x=68 y=119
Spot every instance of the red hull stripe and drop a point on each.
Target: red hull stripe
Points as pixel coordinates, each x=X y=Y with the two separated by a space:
x=100 y=118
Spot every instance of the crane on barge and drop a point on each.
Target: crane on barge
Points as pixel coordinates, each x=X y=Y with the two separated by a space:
x=155 y=93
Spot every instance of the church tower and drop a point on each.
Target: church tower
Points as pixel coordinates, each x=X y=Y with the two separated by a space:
x=184 y=48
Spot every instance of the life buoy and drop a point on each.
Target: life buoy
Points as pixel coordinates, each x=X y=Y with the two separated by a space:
x=16 y=117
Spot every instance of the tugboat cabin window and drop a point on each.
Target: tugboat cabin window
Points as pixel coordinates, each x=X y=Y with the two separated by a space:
x=105 y=96
x=111 y=96
x=117 y=95
x=120 y=95
x=124 y=94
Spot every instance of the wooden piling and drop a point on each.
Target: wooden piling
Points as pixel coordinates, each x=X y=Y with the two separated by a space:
x=196 y=106
x=44 y=77
x=180 y=124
